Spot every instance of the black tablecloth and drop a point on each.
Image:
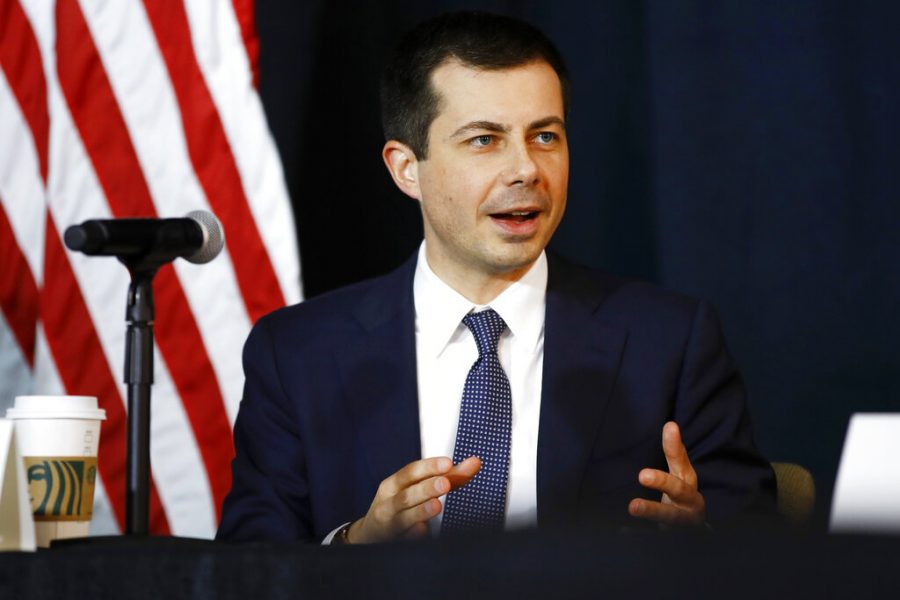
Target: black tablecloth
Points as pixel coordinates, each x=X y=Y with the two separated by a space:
x=530 y=564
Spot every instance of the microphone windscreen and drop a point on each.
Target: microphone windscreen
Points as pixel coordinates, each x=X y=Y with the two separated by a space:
x=213 y=236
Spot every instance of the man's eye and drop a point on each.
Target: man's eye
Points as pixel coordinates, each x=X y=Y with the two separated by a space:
x=546 y=137
x=482 y=140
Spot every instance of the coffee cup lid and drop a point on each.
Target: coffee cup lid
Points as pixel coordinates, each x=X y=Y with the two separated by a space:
x=56 y=407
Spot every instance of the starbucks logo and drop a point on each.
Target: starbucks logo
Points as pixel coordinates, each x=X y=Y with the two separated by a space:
x=61 y=488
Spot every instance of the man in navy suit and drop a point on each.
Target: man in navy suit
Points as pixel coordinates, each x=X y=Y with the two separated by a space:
x=625 y=405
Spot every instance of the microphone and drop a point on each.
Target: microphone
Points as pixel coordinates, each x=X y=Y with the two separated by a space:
x=197 y=237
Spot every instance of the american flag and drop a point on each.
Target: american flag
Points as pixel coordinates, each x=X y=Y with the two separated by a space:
x=130 y=108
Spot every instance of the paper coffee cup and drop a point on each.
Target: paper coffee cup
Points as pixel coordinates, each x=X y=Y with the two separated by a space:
x=58 y=438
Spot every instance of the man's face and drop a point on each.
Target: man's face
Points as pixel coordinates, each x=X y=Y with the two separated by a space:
x=493 y=188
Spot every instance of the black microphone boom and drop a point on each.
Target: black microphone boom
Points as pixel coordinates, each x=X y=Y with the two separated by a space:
x=197 y=237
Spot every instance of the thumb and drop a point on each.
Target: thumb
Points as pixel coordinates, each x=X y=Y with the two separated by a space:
x=463 y=472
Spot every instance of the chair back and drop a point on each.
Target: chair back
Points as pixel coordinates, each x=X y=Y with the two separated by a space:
x=796 y=493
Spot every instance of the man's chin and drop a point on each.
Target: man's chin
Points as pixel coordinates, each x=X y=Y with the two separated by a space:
x=515 y=263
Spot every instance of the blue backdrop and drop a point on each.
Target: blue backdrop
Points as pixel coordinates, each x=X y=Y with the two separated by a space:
x=744 y=152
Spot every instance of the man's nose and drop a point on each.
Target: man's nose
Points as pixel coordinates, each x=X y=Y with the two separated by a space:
x=522 y=168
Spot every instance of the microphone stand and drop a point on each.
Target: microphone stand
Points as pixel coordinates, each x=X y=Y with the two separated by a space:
x=143 y=246
x=139 y=316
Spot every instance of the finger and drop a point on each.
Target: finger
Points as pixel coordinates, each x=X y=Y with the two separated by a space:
x=413 y=473
x=463 y=473
x=416 y=514
x=385 y=521
x=676 y=453
x=417 y=531
x=663 y=513
x=416 y=494
x=676 y=488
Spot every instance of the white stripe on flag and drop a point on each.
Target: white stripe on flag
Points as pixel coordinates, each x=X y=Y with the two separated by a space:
x=46 y=377
x=178 y=468
x=14 y=370
x=21 y=186
x=222 y=56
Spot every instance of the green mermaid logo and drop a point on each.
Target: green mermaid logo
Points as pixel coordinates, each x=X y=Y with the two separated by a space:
x=62 y=488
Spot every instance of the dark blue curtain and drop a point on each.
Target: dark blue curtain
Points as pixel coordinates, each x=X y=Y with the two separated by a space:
x=744 y=152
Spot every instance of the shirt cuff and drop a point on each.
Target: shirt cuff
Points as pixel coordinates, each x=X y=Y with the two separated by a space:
x=330 y=537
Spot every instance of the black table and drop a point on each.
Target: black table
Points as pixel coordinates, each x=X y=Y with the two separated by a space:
x=533 y=564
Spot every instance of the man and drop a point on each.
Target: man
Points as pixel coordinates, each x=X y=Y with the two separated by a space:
x=564 y=396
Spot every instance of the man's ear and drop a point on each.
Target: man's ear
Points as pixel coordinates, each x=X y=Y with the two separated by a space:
x=403 y=166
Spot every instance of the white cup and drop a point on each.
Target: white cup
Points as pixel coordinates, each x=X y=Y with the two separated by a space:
x=58 y=438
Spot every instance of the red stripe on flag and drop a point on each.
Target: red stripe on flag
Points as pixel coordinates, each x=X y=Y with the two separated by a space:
x=102 y=128
x=18 y=290
x=182 y=346
x=244 y=10
x=212 y=159
x=20 y=58
x=83 y=369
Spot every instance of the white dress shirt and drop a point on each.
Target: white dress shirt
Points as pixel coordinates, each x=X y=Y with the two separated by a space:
x=446 y=350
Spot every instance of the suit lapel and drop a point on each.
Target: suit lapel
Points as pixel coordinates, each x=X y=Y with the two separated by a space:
x=582 y=356
x=379 y=375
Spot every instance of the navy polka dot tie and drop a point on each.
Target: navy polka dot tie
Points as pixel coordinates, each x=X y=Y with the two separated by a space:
x=485 y=423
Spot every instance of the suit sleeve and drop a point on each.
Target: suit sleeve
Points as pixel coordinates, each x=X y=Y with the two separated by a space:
x=737 y=483
x=269 y=498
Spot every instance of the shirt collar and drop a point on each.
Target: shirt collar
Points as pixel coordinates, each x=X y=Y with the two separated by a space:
x=440 y=309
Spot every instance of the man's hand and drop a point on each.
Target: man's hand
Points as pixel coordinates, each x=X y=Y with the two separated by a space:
x=682 y=503
x=406 y=500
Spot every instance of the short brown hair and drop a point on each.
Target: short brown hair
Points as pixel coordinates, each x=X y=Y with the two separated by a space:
x=481 y=40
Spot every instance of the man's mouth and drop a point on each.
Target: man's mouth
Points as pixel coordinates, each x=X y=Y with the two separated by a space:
x=518 y=223
x=516 y=216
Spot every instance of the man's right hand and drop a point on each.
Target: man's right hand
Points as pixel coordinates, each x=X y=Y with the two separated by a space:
x=406 y=500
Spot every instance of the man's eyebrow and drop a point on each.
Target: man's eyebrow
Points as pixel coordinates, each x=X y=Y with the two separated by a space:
x=480 y=126
x=546 y=121
x=497 y=127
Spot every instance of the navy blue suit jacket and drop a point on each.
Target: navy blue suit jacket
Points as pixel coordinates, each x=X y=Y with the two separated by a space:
x=330 y=406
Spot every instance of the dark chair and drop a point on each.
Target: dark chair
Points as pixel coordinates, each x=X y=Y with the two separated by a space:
x=796 y=493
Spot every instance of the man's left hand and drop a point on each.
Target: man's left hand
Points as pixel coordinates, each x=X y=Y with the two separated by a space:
x=682 y=503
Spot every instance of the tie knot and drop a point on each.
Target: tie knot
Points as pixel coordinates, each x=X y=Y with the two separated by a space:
x=486 y=326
